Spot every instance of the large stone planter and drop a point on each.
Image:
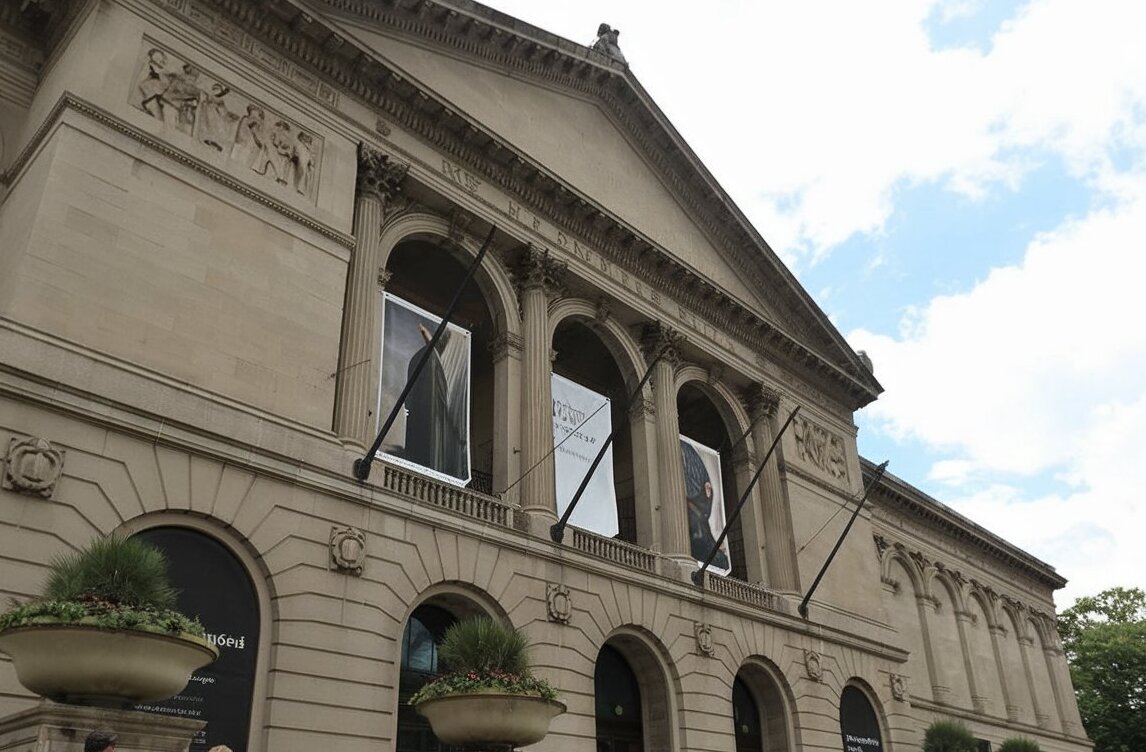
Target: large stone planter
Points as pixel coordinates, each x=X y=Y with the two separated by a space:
x=490 y=718
x=111 y=668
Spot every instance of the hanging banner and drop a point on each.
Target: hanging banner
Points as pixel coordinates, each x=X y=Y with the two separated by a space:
x=576 y=447
x=704 y=497
x=432 y=431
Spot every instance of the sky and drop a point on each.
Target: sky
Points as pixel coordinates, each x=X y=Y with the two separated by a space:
x=961 y=187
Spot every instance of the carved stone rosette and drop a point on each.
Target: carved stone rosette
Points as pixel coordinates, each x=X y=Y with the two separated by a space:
x=32 y=467
x=348 y=550
x=558 y=603
x=813 y=665
x=898 y=687
x=704 y=645
x=379 y=175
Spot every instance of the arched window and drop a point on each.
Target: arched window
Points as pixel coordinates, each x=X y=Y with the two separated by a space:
x=617 y=703
x=859 y=725
x=420 y=643
x=746 y=718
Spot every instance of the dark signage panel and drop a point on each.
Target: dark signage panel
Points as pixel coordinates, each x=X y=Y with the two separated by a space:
x=214 y=586
x=858 y=723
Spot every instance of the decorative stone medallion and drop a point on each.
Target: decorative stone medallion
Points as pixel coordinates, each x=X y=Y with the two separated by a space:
x=348 y=550
x=704 y=644
x=558 y=603
x=32 y=467
x=813 y=665
x=899 y=687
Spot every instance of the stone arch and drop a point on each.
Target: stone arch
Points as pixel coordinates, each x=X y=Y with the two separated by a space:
x=619 y=341
x=854 y=691
x=1045 y=701
x=1020 y=705
x=710 y=414
x=491 y=278
x=894 y=554
x=659 y=684
x=261 y=581
x=905 y=601
x=951 y=675
x=775 y=700
x=980 y=629
x=461 y=599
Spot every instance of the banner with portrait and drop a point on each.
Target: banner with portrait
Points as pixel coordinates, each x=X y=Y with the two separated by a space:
x=704 y=502
x=432 y=431
x=581 y=425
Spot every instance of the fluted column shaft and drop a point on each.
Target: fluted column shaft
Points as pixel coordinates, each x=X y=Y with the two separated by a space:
x=538 y=277
x=671 y=506
x=378 y=182
x=779 y=537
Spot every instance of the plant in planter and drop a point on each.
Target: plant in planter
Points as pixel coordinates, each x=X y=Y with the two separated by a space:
x=489 y=695
x=948 y=736
x=1019 y=744
x=104 y=631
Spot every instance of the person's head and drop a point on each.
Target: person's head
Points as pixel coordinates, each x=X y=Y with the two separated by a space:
x=157 y=57
x=100 y=740
x=697 y=483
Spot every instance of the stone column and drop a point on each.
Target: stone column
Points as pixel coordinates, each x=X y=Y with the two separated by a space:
x=379 y=181
x=646 y=489
x=538 y=278
x=779 y=537
x=506 y=351
x=670 y=506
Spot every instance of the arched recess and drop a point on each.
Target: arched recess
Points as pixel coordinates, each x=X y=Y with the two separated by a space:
x=903 y=594
x=1046 y=705
x=1020 y=706
x=990 y=697
x=772 y=700
x=598 y=354
x=952 y=686
x=219 y=575
x=423 y=266
x=426 y=622
x=658 y=689
x=863 y=726
x=714 y=418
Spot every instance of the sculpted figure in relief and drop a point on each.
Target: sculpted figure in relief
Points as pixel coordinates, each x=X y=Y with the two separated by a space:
x=191 y=103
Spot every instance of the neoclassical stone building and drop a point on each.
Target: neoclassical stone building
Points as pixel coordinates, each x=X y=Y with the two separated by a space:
x=227 y=230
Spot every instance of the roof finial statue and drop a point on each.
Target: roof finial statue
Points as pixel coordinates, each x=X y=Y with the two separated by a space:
x=607 y=42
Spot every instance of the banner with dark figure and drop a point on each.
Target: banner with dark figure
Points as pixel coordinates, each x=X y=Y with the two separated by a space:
x=432 y=431
x=704 y=497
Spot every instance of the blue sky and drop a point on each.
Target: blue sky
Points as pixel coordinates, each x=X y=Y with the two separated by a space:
x=961 y=186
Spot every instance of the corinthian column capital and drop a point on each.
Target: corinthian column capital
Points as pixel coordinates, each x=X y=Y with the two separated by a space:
x=656 y=337
x=379 y=175
x=536 y=268
x=761 y=400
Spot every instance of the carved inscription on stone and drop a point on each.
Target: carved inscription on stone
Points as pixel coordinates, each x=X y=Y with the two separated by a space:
x=820 y=448
x=32 y=467
x=203 y=114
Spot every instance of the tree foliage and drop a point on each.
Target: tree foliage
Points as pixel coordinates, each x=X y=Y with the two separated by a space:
x=948 y=736
x=1019 y=744
x=1104 y=637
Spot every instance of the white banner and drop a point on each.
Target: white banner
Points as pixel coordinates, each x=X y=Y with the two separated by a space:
x=580 y=438
x=704 y=500
x=432 y=431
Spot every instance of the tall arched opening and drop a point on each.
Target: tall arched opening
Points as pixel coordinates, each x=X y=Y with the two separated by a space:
x=860 y=728
x=761 y=709
x=633 y=701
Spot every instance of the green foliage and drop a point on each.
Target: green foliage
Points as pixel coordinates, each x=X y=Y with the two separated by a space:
x=1104 y=637
x=948 y=736
x=481 y=644
x=1019 y=744
x=115 y=583
x=125 y=571
x=483 y=655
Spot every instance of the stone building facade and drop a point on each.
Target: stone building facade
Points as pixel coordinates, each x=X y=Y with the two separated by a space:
x=205 y=206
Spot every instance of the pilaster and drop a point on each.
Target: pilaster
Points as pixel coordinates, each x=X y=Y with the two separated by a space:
x=670 y=503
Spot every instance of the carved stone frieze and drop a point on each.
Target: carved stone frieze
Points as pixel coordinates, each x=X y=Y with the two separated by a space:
x=32 y=466
x=558 y=603
x=200 y=112
x=704 y=644
x=347 y=550
x=379 y=175
x=820 y=448
x=813 y=665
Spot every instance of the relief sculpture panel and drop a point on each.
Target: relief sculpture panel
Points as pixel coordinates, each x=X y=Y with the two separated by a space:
x=820 y=448
x=224 y=126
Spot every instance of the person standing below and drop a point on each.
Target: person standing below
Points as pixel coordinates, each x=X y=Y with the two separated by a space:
x=100 y=740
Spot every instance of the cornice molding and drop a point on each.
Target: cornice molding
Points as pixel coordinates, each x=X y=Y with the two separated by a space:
x=894 y=494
